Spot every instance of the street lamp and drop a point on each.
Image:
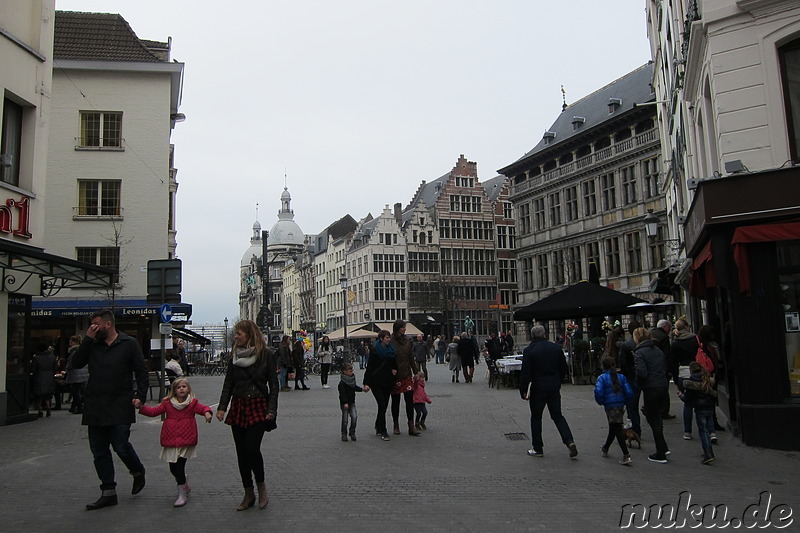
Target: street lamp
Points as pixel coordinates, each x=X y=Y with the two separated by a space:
x=343 y=281
x=651 y=229
x=226 y=334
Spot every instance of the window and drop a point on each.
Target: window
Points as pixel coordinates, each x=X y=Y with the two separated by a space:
x=105 y=257
x=790 y=72
x=554 y=199
x=574 y=264
x=612 y=257
x=502 y=237
x=465 y=204
x=99 y=198
x=525 y=218
x=101 y=129
x=507 y=212
x=388 y=263
x=650 y=178
x=657 y=249
x=628 y=176
x=541 y=267
x=589 y=198
x=527 y=273
x=390 y=289
x=593 y=254
x=423 y=262
x=633 y=250
x=571 y=200
x=608 y=186
x=508 y=271
x=11 y=142
x=538 y=214
x=462 y=181
x=558 y=267
x=444 y=228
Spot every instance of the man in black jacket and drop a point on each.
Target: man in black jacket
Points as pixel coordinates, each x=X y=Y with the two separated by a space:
x=543 y=368
x=109 y=405
x=627 y=368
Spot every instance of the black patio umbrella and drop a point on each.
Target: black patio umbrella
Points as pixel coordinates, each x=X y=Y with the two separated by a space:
x=583 y=299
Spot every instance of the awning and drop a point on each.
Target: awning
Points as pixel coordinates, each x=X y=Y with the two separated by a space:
x=703 y=274
x=51 y=272
x=190 y=336
x=124 y=307
x=760 y=233
x=426 y=319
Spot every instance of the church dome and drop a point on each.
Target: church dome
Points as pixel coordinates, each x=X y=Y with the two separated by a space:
x=256 y=247
x=285 y=231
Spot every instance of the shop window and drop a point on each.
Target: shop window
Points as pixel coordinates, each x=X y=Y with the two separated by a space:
x=789 y=278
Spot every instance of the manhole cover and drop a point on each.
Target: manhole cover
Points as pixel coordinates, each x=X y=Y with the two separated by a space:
x=516 y=436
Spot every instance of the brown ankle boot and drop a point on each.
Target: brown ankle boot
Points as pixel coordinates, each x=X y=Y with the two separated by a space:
x=249 y=499
x=412 y=430
x=396 y=429
x=263 y=495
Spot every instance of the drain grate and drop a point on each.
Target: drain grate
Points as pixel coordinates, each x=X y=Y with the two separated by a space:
x=516 y=436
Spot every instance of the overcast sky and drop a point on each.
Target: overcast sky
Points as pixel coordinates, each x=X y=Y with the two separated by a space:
x=357 y=102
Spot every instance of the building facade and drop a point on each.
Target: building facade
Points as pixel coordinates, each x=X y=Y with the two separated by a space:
x=581 y=194
x=730 y=70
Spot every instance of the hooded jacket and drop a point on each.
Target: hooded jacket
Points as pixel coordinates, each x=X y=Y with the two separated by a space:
x=694 y=395
x=651 y=365
x=605 y=395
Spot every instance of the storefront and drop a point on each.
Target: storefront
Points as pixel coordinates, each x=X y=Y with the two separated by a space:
x=26 y=271
x=743 y=239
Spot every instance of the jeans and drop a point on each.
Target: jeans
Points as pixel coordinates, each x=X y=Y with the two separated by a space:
x=117 y=437
x=248 y=452
x=439 y=357
x=282 y=374
x=705 y=425
x=552 y=400
x=422 y=412
x=351 y=414
x=381 y=395
x=632 y=408
x=655 y=400
x=362 y=360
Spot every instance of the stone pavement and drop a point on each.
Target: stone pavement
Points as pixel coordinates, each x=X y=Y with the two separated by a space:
x=463 y=474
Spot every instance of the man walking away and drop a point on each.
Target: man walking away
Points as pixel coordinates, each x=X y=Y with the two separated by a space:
x=109 y=405
x=543 y=369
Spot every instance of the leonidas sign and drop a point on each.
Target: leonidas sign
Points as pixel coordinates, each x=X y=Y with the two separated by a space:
x=7 y=217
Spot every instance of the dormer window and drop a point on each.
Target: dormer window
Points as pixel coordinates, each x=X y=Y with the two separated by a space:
x=548 y=137
x=577 y=122
x=614 y=104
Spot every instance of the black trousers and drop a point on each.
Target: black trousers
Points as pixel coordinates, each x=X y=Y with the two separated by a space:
x=409 y=398
x=381 y=395
x=248 y=452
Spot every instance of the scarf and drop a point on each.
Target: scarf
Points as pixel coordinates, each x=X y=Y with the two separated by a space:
x=385 y=352
x=350 y=381
x=181 y=405
x=244 y=357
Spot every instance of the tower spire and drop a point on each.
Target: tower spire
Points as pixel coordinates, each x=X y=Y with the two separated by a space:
x=563 y=99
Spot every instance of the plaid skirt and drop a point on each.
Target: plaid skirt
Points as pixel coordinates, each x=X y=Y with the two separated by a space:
x=402 y=385
x=245 y=412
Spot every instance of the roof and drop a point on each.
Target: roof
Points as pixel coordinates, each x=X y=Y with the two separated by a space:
x=98 y=37
x=593 y=110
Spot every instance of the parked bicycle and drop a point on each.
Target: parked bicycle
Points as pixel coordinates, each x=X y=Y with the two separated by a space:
x=314 y=366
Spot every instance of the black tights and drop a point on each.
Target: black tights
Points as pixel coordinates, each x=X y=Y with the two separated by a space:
x=248 y=452
x=178 y=470
x=409 y=398
x=615 y=431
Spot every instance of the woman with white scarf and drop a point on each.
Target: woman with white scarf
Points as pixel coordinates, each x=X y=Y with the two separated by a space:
x=251 y=389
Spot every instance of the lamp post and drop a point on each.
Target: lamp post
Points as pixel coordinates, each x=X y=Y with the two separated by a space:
x=343 y=281
x=226 y=334
x=650 y=221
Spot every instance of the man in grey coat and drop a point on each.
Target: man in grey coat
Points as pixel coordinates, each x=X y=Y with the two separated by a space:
x=109 y=407
x=651 y=376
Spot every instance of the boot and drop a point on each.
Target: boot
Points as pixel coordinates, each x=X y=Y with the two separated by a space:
x=248 y=501
x=412 y=430
x=182 y=493
x=263 y=495
x=107 y=498
x=396 y=429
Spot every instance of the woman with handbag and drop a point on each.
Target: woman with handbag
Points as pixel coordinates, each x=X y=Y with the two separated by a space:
x=251 y=389
x=379 y=378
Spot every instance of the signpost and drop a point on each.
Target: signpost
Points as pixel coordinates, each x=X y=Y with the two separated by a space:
x=164 y=287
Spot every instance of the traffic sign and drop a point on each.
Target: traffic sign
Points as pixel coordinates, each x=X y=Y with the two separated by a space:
x=165 y=328
x=165 y=312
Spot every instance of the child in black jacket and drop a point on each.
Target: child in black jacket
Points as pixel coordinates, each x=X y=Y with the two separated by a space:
x=347 y=400
x=698 y=392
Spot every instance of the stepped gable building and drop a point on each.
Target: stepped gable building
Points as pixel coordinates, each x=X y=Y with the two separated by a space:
x=727 y=74
x=581 y=194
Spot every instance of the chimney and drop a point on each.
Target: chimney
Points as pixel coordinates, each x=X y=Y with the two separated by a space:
x=398 y=213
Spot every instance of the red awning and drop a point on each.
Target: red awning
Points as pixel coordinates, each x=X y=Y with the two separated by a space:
x=786 y=231
x=703 y=275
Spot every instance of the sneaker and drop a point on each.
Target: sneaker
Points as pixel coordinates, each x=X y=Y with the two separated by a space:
x=603 y=452
x=344 y=438
x=385 y=436
x=713 y=437
x=667 y=452
x=708 y=460
x=687 y=436
x=573 y=450
x=534 y=453
x=657 y=458
x=325 y=387
x=626 y=460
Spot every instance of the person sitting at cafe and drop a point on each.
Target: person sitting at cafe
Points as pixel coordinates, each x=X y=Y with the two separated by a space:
x=172 y=367
x=493 y=347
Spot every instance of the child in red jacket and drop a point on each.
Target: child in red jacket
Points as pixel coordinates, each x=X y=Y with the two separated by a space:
x=179 y=431
x=420 y=399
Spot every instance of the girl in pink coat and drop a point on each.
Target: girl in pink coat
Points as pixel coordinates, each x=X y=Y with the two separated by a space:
x=420 y=399
x=179 y=431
